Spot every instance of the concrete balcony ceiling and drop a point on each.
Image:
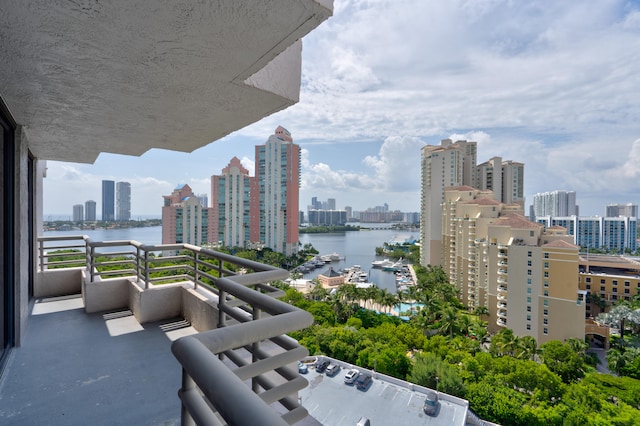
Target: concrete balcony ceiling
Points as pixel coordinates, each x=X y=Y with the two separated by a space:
x=122 y=77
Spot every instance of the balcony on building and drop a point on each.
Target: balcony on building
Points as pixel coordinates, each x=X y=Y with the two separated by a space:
x=502 y=313
x=502 y=322
x=124 y=78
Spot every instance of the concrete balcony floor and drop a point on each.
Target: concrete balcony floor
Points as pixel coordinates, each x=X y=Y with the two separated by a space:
x=75 y=368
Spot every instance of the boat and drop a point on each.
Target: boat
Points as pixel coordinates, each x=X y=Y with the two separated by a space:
x=397 y=266
x=385 y=263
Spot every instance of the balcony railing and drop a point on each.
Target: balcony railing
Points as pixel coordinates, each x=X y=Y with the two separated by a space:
x=260 y=367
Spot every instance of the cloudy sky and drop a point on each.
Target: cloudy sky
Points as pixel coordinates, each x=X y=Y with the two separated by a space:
x=553 y=84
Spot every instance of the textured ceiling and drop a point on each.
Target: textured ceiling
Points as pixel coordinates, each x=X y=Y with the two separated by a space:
x=85 y=77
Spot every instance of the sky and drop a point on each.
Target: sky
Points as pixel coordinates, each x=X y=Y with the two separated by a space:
x=552 y=84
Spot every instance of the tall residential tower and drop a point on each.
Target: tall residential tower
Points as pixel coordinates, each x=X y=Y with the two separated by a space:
x=123 y=201
x=450 y=164
x=275 y=193
x=230 y=204
x=108 y=200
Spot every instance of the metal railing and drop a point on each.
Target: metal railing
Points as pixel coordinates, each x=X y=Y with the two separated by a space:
x=244 y=371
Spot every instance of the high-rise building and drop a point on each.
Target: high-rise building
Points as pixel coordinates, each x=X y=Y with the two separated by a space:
x=230 y=204
x=609 y=233
x=327 y=217
x=450 y=164
x=123 y=201
x=275 y=193
x=555 y=203
x=204 y=200
x=184 y=220
x=615 y=210
x=526 y=276
x=90 y=211
x=331 y=203
x=349 y=211
x=108 y=200
x=78 y=213
x=504 y=178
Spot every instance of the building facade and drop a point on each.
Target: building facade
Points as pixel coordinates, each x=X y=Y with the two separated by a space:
x=449 y=164
x=123 y=201
x=184 y=220
x=526 y=276
x=327 y=217
x=230 y=204
x=615 y=210
x=108 y=200
x=90 y=211
x=608 y=233
x=275 y=193
x=504 y=178
x=555 y=203
x=78 y=213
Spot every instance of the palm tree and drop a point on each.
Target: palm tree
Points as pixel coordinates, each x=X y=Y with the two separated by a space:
x=318 y=292
x=481 y=311
x=448 y=320
x=464 y=323
x=527 y=348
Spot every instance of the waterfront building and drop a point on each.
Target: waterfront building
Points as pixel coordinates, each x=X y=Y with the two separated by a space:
x=327 y=217
x=349 y=211
x=446 y=165
x=275 y=193
x=78 y=213
x=526 y=276
x=554 y=203
x=184 y=220
x=504 y=178
x=608 y=233
x=123 y=201
x=230 y=203
x=615 y=210
x=108 y=200
x=90 y=211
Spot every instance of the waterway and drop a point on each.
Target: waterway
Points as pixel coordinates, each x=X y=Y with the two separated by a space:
x=354 y=248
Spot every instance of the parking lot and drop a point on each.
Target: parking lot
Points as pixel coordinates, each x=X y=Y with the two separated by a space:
x=332 y=402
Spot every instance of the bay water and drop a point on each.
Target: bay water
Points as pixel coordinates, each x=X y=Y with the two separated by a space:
x=354 y=247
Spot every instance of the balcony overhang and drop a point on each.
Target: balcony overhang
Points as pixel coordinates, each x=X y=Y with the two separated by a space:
x=124 y=77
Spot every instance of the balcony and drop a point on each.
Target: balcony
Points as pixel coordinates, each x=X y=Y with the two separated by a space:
x=502 y=322
x=102 y=328
x=502 y=271
x=502 y=288
x=502 y=313
x=502 y=280
x=502 y=305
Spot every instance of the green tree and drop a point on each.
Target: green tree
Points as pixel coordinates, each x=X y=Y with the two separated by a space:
x=562 y=360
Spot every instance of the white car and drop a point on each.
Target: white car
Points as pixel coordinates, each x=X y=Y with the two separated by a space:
x=351 y=376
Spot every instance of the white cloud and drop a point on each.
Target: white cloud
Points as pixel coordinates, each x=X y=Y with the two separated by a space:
x=552 y=84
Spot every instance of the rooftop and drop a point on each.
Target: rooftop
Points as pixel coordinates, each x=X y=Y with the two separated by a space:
x=387 y=401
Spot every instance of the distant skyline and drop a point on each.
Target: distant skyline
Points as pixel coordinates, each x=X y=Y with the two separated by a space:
x=554 y=85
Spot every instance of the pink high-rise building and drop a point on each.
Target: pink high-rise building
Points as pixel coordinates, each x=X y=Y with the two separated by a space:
x=184 y=219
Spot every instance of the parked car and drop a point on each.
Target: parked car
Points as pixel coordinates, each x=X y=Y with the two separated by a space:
x=322 y=365
x=302 y=368
x=351 y=376
x=430 y=403
x=332 y=369
x=363 y=381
